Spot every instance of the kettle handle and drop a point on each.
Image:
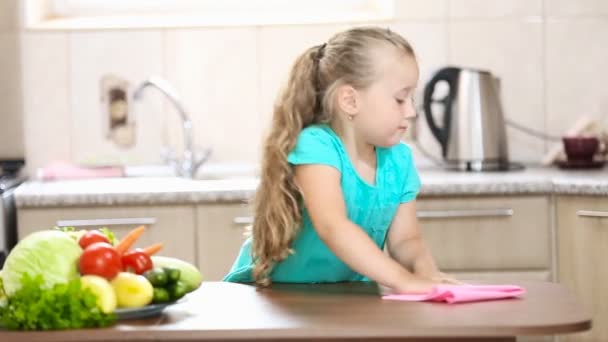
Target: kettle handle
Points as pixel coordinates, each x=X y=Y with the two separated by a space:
x=450 y=75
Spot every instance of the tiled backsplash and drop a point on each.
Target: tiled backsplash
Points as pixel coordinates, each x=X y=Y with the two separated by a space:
x=549 y=55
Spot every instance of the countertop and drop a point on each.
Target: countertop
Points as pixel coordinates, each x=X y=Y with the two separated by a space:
x=172 y=190
x=340 y=312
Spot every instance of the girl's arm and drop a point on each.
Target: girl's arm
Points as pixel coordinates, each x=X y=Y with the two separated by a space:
x=322 y=195
x=406 y=245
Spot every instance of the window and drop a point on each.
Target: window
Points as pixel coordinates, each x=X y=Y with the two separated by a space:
x=195 y=13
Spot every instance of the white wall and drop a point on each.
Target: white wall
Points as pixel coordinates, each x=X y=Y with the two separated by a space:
x=11 y=126
x=550 y=56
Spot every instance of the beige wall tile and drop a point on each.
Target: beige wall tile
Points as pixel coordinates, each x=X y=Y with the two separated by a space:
x=229 y=78
x=574 y=8
x=131 y=55
x=46 y=112
x=278 y=49
x=429 y=40
x=11 y=126
x=576 y=71
x=494 y=8
x=511 y=50
x=420 y=9
x=9 y=16
x=216 y=72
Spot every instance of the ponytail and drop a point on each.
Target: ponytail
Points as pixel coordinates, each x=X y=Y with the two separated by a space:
x=277 y=215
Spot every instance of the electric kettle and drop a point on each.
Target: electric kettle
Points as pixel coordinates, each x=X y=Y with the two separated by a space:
x=472 y=131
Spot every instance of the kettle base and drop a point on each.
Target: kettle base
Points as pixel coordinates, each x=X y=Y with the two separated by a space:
x=483 y=165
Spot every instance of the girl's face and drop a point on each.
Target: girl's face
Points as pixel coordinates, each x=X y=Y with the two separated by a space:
x=387 y=105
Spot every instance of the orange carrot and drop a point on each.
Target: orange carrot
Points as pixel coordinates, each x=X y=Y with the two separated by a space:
x=129 y=239
x=153 y=249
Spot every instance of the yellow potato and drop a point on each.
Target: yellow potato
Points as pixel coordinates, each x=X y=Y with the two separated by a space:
x=132 y=290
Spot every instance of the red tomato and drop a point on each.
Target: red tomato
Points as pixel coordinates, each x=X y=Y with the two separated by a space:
x=136 y=261
x=100 y=259
x=91 y=237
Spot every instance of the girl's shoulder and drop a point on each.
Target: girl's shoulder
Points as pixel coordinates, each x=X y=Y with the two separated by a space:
x=317 y=132
x=400 y=154
x=317 y=144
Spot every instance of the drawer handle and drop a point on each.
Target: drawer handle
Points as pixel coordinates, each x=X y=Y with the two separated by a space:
x=107 y=222
x=592 y=213
x=465 y=213
x=243 y=220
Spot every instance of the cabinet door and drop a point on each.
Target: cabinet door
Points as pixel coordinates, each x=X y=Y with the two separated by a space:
x=172 y=225
x=222 y=231
x=582 y=234
x=487 y=234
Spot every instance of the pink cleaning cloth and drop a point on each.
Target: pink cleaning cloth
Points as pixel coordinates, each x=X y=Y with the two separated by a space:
x=63 y=170
x=462 y=293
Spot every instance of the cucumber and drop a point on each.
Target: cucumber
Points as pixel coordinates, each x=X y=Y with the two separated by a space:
x=173 y=274
x=161 y=295
x=177 y=290
x=189 y=274
x=156 y=276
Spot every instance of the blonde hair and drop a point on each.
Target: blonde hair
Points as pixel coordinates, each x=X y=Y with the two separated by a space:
x=307 y=98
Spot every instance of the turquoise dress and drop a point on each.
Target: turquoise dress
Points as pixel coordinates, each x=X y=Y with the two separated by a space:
x=371 y=206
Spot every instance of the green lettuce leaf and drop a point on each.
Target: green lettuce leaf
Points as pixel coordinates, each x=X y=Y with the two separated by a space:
x=63 y=306
x=51 y=254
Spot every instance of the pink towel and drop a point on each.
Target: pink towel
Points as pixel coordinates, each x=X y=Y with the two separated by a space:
x=462 y=293
x=62 y=170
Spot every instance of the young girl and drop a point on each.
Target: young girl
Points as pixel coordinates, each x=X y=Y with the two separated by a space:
x=337 y=183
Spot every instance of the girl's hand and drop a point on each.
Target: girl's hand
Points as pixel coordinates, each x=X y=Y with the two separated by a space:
x=443 y=278
x=414 y=284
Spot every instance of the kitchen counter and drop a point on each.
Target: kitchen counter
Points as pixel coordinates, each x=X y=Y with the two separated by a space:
x=340 y=312
x=171 y=190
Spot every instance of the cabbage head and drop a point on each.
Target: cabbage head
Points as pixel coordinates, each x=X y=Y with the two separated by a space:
x=51 y=254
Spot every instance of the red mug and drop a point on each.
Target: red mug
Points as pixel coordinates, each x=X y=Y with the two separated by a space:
x=581 y=148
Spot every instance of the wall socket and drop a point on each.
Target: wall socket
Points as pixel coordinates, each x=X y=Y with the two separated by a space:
x=118 y=119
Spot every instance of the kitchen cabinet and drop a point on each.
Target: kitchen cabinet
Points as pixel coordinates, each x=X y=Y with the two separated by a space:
x=582 y=236
x=489 y=238
x=173 y=225
x=221 y=232
x=495 y=238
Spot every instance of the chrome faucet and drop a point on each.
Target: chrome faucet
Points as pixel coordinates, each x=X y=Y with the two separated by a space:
x=188 y=166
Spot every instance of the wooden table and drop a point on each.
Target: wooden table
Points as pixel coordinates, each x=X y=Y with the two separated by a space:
x=337 y=312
